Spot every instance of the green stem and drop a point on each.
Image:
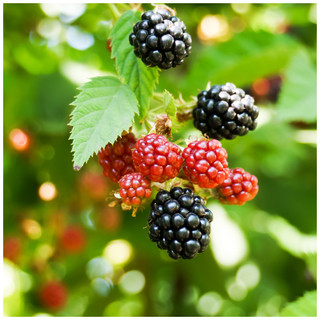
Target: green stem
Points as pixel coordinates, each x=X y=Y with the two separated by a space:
x=114 y=11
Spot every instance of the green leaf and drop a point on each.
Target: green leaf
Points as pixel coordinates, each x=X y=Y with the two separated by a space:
x=247 y=56
x=103 y=109
x=298 y=96
x=132 y=70
x=305 y=306
x=168 y=103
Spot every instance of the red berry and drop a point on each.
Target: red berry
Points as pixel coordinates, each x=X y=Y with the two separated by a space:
x=73 y=239
x=205 y=163
x=134 y=188
x=157 y=158
x=53 y=295
x=12 y=248
x=238 y=188
x=116 y=159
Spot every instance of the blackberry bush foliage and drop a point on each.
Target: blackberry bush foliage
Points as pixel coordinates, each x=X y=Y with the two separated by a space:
x=160 y=39
x=180 y=223
x=225 y=111
x=114 y=118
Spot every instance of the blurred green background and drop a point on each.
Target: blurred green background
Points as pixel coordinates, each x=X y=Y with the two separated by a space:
x=57 y=225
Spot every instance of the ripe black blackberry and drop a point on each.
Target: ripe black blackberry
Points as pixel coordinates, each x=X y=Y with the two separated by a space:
x=180 y=223
x=225 y=111
x=160 y=39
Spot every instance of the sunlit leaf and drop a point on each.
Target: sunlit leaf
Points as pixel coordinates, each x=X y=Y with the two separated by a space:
x=305 y=306
x=298 y=96
x=134 y=72
x=103 y=109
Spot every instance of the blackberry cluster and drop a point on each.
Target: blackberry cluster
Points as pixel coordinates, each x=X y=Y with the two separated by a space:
x=225 y=111
x=180 y=223
x=160 y=39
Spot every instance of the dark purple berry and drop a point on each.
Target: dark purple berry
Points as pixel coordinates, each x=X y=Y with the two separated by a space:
x=180 y=223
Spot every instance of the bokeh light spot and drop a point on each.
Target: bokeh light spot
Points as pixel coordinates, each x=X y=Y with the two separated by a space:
x=129 y=307
x=45 y=251
x=9 y=281
x=25 y=281
x=99 y=268
x=132 y=282
x=213 y=27
x=249 y=275
x=240 y=8
x=68 y=12
x=19 y=139
x=32 y=228
x=118 y=251
x=101 y=286
x=229 y=245
x=49 y=28
x=237 y=291
x=209 y=304
x=79 y=39
x=47 y=191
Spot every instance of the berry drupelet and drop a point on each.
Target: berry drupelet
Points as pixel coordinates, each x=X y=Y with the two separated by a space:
x=180 y=223
x=160 y=39
x=116 y=160
x=238 y=188
x=157 y=158
x=205 y=163
x=225 y=111
x=134 y=188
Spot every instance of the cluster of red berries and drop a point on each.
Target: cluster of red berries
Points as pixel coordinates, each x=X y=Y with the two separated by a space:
x=135 y=163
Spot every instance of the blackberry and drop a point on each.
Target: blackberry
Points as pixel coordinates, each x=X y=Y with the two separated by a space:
x=157 y=158
x=238 y=188
x=116 y=159
x=205 y=163
x=225 y=111
x=134 y=188
x=160 y=39
x=180 y=223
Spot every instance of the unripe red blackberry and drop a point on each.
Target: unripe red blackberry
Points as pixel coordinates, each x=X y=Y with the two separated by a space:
x=225 y=111
x=73 y=239
x=116 y=159
x=238 y=188
x=160 y=39
x=180 y=223
x=157 y=158
x=205 y=163
x=53 y=295
x=134 y=188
